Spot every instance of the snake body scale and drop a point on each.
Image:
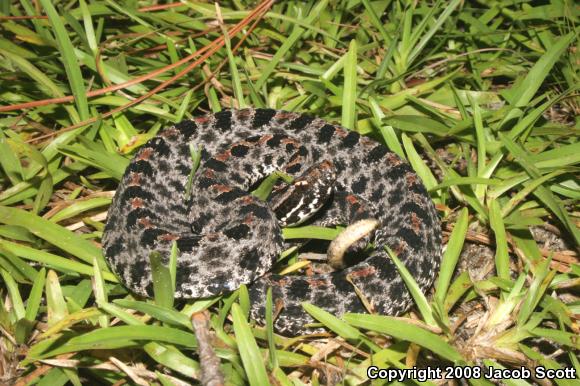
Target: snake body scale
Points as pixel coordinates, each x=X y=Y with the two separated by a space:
x=227 y=237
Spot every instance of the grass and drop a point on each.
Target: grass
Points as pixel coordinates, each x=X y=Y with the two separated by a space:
x=480 y=97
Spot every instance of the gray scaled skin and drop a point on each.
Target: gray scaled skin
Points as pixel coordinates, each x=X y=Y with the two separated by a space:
x=227 y=237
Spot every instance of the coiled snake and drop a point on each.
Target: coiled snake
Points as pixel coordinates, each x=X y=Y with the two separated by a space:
x=227 y=237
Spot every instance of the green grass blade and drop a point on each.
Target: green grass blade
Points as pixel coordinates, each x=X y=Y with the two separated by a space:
x=35 y=297
x=387 y=132
x=502 y=262
x=541 y=192
x=55 y=303
x=88 y=24
x=332 y=322
x=249 y=352
x=170 y=356
x=405 y=331
x=310 y=232
x=562 y=337
x=542 y=279
x=12 y=286
x=162 y=284
x=527 y=88
x=78 y=207
x=9 y=161
x=349 y=90
x=451 y=255
x=100 y=292
x=53 y=261
x=456 y=290
x=236 y=79
x=434 y=28
x=54 y=234
x=289 y=43
x=69 y=59
x=418 y=164
x=124 y=336
x=18 y=268
x=270 y=329
x=158 y=312
x=418 y=296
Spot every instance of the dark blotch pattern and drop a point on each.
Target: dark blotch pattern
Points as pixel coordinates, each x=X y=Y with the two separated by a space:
x=187 y=128
x=139 y=213
x=239 y=150
x=216 y=165
x=360 y=185
x=149 y=236
x=237 y=232
x=114 y=248
x=250 y=261
x=257 y=210
x=136 y=192
x=351 y=139
x=325 y=134
x=187 y=243
x=263 y=117
x=275 y=140
x=376 y=154
x=301 y=122
x=223 y=120
x=227 y=237
x=160 y=147
x=142 y=167
x=293 y=169
x=299 y=288
x=230 y=196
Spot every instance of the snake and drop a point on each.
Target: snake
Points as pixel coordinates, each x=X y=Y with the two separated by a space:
x=226 y=237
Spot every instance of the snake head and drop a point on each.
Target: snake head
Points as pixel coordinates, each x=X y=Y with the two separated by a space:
x=297 y=202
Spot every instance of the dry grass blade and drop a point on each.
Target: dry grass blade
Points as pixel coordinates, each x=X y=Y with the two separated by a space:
x=201 y=55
